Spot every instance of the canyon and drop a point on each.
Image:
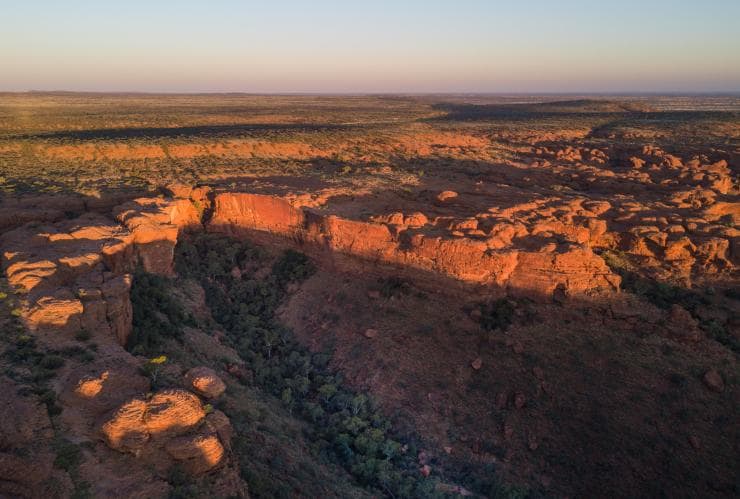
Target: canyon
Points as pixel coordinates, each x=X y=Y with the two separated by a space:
x=543 y=305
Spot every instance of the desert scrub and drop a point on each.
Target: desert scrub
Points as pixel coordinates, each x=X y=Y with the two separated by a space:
x=393 y=287
x=32 y=369
x=152 y=370
x=68 y=458
x=83 y=335
x=183 y=486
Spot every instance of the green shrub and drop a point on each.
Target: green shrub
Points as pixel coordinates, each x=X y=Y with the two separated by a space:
x=68 y=455
x=51 y=362
x=182 y=484
x=496 y=315
x=83 y=335
x=79 y=353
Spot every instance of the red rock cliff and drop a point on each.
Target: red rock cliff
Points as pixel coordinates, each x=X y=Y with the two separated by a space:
x=529 y=264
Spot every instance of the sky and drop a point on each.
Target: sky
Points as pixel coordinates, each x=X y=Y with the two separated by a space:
x=378 y=46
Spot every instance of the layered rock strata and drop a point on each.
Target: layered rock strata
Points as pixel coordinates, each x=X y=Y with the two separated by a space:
x=522 y=262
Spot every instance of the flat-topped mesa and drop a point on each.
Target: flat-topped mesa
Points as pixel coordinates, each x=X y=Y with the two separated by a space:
x=520 y=268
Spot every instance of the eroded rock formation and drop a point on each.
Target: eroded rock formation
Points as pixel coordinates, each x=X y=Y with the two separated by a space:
x=73 y=277
x=76 y=274
x=73 y=274
x=490 y=251
x=205 y=382
x=154 y=224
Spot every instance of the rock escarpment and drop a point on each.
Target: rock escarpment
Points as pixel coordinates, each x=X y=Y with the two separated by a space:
x=506 y=255
x=155 y=224
x=531 y=248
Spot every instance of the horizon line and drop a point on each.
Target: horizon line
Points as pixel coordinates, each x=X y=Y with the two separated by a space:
x=654 y=93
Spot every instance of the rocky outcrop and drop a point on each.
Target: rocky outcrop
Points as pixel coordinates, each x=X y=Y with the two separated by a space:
x=155 y=224
x=173 y=420
x=167 y=413
x=205 y=382
x=76 y=274
x=524 y=262
x=73 y=275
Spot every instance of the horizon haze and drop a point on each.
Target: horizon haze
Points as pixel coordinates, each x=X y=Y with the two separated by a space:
x=330 y=47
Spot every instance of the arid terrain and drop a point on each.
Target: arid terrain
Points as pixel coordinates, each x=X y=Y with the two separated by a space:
x=233 y=295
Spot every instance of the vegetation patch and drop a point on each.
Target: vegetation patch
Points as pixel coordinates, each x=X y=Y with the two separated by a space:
x=346 y=426
x=157 y=316
x=497 y=314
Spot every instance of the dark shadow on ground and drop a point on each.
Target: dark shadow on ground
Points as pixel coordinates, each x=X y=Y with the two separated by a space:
x=185 y=131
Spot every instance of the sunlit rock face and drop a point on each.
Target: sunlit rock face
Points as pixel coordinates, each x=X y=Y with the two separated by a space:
x=76 y=274
x=527 y=262
x=72 y=275
x=154 y=224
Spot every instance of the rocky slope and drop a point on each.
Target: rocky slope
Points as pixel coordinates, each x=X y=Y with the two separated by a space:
x=73 y=279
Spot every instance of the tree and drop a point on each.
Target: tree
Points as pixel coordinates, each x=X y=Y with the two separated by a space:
x=326 y=392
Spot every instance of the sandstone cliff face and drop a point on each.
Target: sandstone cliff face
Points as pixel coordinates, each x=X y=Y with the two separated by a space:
x=515 y=259
x=155 y=224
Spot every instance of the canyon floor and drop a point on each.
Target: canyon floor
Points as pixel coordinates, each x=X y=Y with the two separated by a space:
x=309 y=296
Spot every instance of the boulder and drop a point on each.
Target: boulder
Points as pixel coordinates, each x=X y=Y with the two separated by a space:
x=198 y=453
x=713 y=380
x=167 y=413
x=446 y=196
x=205 y=382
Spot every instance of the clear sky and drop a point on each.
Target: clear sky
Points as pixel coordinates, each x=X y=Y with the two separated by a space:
x=371 y=46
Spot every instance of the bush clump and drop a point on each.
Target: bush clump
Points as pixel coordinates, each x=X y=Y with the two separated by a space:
x=497 y=315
